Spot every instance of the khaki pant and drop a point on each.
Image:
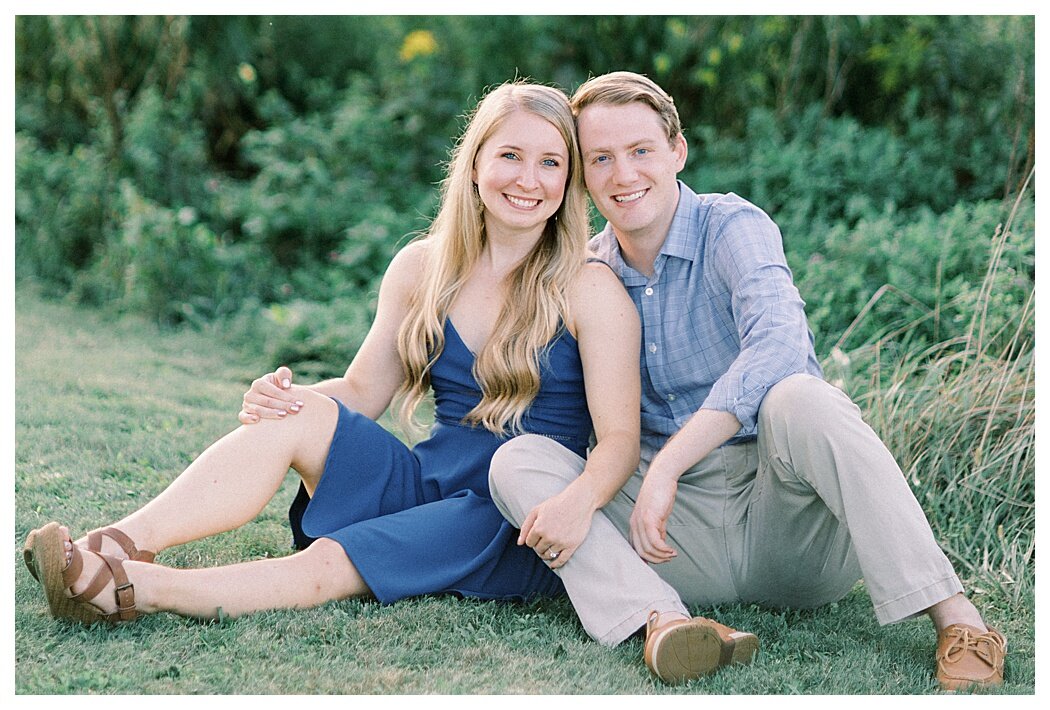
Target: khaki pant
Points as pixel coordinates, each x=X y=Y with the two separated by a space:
x=793 y=519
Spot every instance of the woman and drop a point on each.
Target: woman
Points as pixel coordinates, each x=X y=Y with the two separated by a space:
x=498 y=312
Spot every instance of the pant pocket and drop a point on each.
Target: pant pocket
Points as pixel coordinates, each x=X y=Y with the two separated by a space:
x=701 y=572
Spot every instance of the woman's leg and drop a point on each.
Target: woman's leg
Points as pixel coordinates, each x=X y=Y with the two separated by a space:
x=233 y=480
x=318 y=574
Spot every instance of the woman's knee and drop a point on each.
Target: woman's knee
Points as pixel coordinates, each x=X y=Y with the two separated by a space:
x=306 y=434
x=330 y=572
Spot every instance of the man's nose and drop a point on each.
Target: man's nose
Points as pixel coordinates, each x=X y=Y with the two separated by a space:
x=624 y=173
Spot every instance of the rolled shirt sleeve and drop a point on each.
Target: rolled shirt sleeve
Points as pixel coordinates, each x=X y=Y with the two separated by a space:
x=747 y=261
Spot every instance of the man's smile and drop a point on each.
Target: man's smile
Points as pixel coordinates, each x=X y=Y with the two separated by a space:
x=630 y=197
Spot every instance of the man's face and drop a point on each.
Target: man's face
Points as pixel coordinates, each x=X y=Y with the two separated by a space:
x=631 y=169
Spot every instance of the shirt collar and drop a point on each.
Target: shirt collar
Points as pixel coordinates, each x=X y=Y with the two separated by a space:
x=682 y=234
x=680 y=241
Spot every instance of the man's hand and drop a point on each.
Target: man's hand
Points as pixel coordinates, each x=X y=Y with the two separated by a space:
x=649 y=518
x=270 y=397
x=558 y=526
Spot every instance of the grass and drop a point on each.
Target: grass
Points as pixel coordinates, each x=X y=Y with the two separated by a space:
x=108 y=411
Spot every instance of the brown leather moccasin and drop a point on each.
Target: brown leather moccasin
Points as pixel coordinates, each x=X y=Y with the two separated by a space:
x=968 y=658
x=685 y=649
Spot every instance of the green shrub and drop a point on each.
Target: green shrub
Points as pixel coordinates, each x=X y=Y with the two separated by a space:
x=168 y=266
x=316 y=340
x=809 y=171
x=62 y=210
x=165 y=153
x=892 y=269
x=321 y=175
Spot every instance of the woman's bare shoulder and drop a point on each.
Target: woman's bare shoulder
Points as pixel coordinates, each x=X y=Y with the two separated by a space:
x=596 y=281
x=409 y=264
x=597 y=294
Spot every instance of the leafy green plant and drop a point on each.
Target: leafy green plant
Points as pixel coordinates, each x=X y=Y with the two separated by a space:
x=960 y=416
x=323 y=174
x=169 y=266
x=165 y=153
x=896 y=269
x=63 y=204
x=316 y=340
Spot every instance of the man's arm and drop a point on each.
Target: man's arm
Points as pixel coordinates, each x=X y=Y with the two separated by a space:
x=703 y=433
x=746 y=260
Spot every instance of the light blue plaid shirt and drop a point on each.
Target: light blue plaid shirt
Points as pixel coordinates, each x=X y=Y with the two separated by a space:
x=722 y=321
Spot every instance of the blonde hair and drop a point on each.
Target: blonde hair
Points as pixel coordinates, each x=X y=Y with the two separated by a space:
x=535 y=305
x=619 y=88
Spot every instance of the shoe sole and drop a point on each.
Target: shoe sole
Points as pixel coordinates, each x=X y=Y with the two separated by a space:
x=27 y=554
x=48 y=556
x=691 y=651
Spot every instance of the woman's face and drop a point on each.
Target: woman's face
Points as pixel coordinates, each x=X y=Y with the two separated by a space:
x=521 y=172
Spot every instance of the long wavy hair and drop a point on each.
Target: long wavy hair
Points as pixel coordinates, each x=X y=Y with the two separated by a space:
x=535 y=305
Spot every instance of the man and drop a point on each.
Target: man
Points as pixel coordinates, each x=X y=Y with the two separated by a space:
x=759 y=482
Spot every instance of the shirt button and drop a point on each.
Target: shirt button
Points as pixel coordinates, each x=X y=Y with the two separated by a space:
x=649 y=291
x=652 y=347
x=671 y=398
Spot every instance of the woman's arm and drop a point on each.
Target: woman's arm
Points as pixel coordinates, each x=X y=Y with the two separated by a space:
x=608 y=331
x=375 y=372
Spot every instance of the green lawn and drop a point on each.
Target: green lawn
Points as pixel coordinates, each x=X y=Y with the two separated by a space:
x=109 y=411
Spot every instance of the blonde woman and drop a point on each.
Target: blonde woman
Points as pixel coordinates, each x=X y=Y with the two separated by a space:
x=497 y=311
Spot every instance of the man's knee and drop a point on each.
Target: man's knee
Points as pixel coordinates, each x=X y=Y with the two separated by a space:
x=518 y=466
x=507 y=464
x=802 y=398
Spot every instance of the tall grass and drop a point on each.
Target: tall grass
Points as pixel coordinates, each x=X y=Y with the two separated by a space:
x=960 y=417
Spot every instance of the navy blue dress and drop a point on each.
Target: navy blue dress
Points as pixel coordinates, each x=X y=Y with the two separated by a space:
x=421 y=520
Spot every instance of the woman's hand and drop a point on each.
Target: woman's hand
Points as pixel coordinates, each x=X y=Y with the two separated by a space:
x=270 y=397
x=558 y=526
x=649 y=518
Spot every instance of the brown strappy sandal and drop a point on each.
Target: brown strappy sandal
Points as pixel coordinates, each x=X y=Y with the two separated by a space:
x=94 y=544
x=49 y=559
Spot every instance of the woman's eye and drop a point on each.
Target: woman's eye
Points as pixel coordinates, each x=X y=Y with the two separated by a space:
x=551 y=163
x=510 y=156
x=642 y=151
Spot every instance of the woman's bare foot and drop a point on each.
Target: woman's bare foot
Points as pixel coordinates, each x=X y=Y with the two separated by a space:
x=115 y=543
x=103 y=599
x=97 y=583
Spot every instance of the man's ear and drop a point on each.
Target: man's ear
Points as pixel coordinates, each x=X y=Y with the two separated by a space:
x=681 y=151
